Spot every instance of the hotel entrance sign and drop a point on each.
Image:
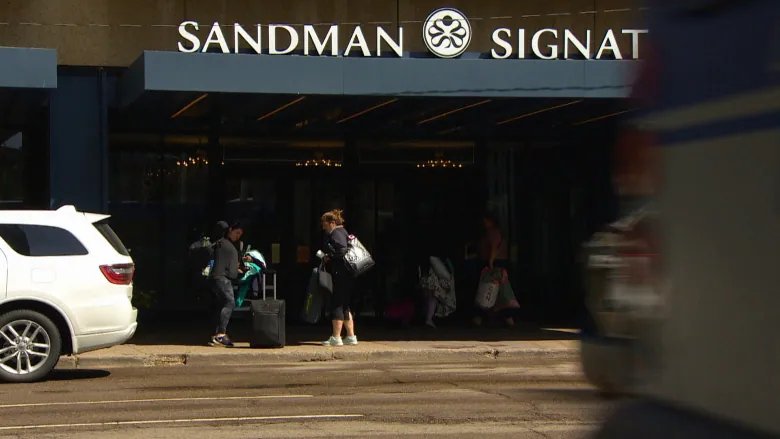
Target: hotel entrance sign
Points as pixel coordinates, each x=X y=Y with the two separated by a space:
x=447 y=33
x=312 y=43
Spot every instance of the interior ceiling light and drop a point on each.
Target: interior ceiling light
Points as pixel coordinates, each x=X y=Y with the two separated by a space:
x=445 y=114
x=368 y=110
x=193 y=161
x=523 y=116
x=439 y=163
x=289 y=104
x=190 y=105
x=197 y=160
x=606 y=116
x=319 y=163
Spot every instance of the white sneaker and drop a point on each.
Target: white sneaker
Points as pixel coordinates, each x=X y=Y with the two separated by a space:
x=351 y=340
x=334 y=341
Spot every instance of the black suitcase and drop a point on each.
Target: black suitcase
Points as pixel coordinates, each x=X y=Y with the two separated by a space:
x=268 y=329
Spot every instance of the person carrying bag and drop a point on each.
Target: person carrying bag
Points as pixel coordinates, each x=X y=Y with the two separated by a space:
x=438 y=287
x=337 y=246
x=494 y=292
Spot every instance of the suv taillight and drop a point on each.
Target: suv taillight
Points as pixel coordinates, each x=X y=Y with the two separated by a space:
x=120 y=274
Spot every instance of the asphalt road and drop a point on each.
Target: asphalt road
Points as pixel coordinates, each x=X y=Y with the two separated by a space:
x=489 y=398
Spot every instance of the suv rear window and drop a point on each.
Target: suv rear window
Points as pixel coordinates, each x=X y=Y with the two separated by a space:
x=111 y=237
x=37 y=240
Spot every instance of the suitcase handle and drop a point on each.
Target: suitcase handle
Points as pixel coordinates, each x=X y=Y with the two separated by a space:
x=266 y=286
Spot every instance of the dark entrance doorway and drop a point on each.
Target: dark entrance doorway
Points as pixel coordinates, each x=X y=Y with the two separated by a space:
x=404 y=204
x=539 y=162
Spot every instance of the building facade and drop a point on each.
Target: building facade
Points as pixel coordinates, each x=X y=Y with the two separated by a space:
x=414 y=116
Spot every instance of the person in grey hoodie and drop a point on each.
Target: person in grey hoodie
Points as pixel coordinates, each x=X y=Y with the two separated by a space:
x=223 y=275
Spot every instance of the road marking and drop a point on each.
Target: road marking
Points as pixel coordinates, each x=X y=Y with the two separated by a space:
x=131 y=401
x=180 y=421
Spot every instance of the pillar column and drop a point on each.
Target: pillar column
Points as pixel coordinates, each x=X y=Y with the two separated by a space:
x=78 y=162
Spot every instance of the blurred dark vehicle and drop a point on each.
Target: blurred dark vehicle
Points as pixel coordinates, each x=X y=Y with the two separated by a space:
x=691 y=326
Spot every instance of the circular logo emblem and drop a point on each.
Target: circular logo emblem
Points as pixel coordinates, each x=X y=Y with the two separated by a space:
x=447 y=33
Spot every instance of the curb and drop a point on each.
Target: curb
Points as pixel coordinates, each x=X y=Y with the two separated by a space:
x=533 y=355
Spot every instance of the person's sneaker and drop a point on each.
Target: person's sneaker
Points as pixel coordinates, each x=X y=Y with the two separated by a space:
x=351 y=340
x=333 y=341
x=222 y=341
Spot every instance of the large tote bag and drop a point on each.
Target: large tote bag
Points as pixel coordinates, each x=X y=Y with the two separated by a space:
x=324 y=278
x=357 y=259
x=312 y=305
x=487 y=291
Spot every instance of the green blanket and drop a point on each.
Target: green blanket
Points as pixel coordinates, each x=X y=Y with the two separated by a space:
x=245 y=283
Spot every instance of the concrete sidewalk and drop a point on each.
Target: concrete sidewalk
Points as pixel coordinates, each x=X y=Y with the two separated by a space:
x=182 y=345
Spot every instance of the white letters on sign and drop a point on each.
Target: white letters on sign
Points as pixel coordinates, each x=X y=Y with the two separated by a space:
x=239 y=31
x=309 y=34
x=323 y=40
x=272 y=40
x=216 y=36
x=189 y=37
x=315 y=40
x=358 y=40
x=571 y=45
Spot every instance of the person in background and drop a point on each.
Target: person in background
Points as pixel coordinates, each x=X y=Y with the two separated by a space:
x=335 y=246
x=493 y=248
x=438 y=286
x=199 y=255
x=494 y=254
x=223 y=275
x=218 y=231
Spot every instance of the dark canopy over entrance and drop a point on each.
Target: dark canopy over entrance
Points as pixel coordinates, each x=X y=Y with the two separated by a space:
x=26 y=78
x=28 y=68
x=264 y=95
x=487 y=78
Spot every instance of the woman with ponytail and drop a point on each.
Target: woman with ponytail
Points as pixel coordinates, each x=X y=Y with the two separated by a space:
x=335 y=246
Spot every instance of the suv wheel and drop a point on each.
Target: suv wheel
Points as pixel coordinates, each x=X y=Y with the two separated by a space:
x=30 y=346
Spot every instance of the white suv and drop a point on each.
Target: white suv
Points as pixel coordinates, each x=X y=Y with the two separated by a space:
x=66 y=281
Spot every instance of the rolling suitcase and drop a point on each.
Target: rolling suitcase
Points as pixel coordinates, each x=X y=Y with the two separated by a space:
x=268 y=315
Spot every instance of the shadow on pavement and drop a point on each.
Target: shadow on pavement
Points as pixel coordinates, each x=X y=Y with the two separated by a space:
x=549 y=393
x=76 y=374
x=179 y=328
